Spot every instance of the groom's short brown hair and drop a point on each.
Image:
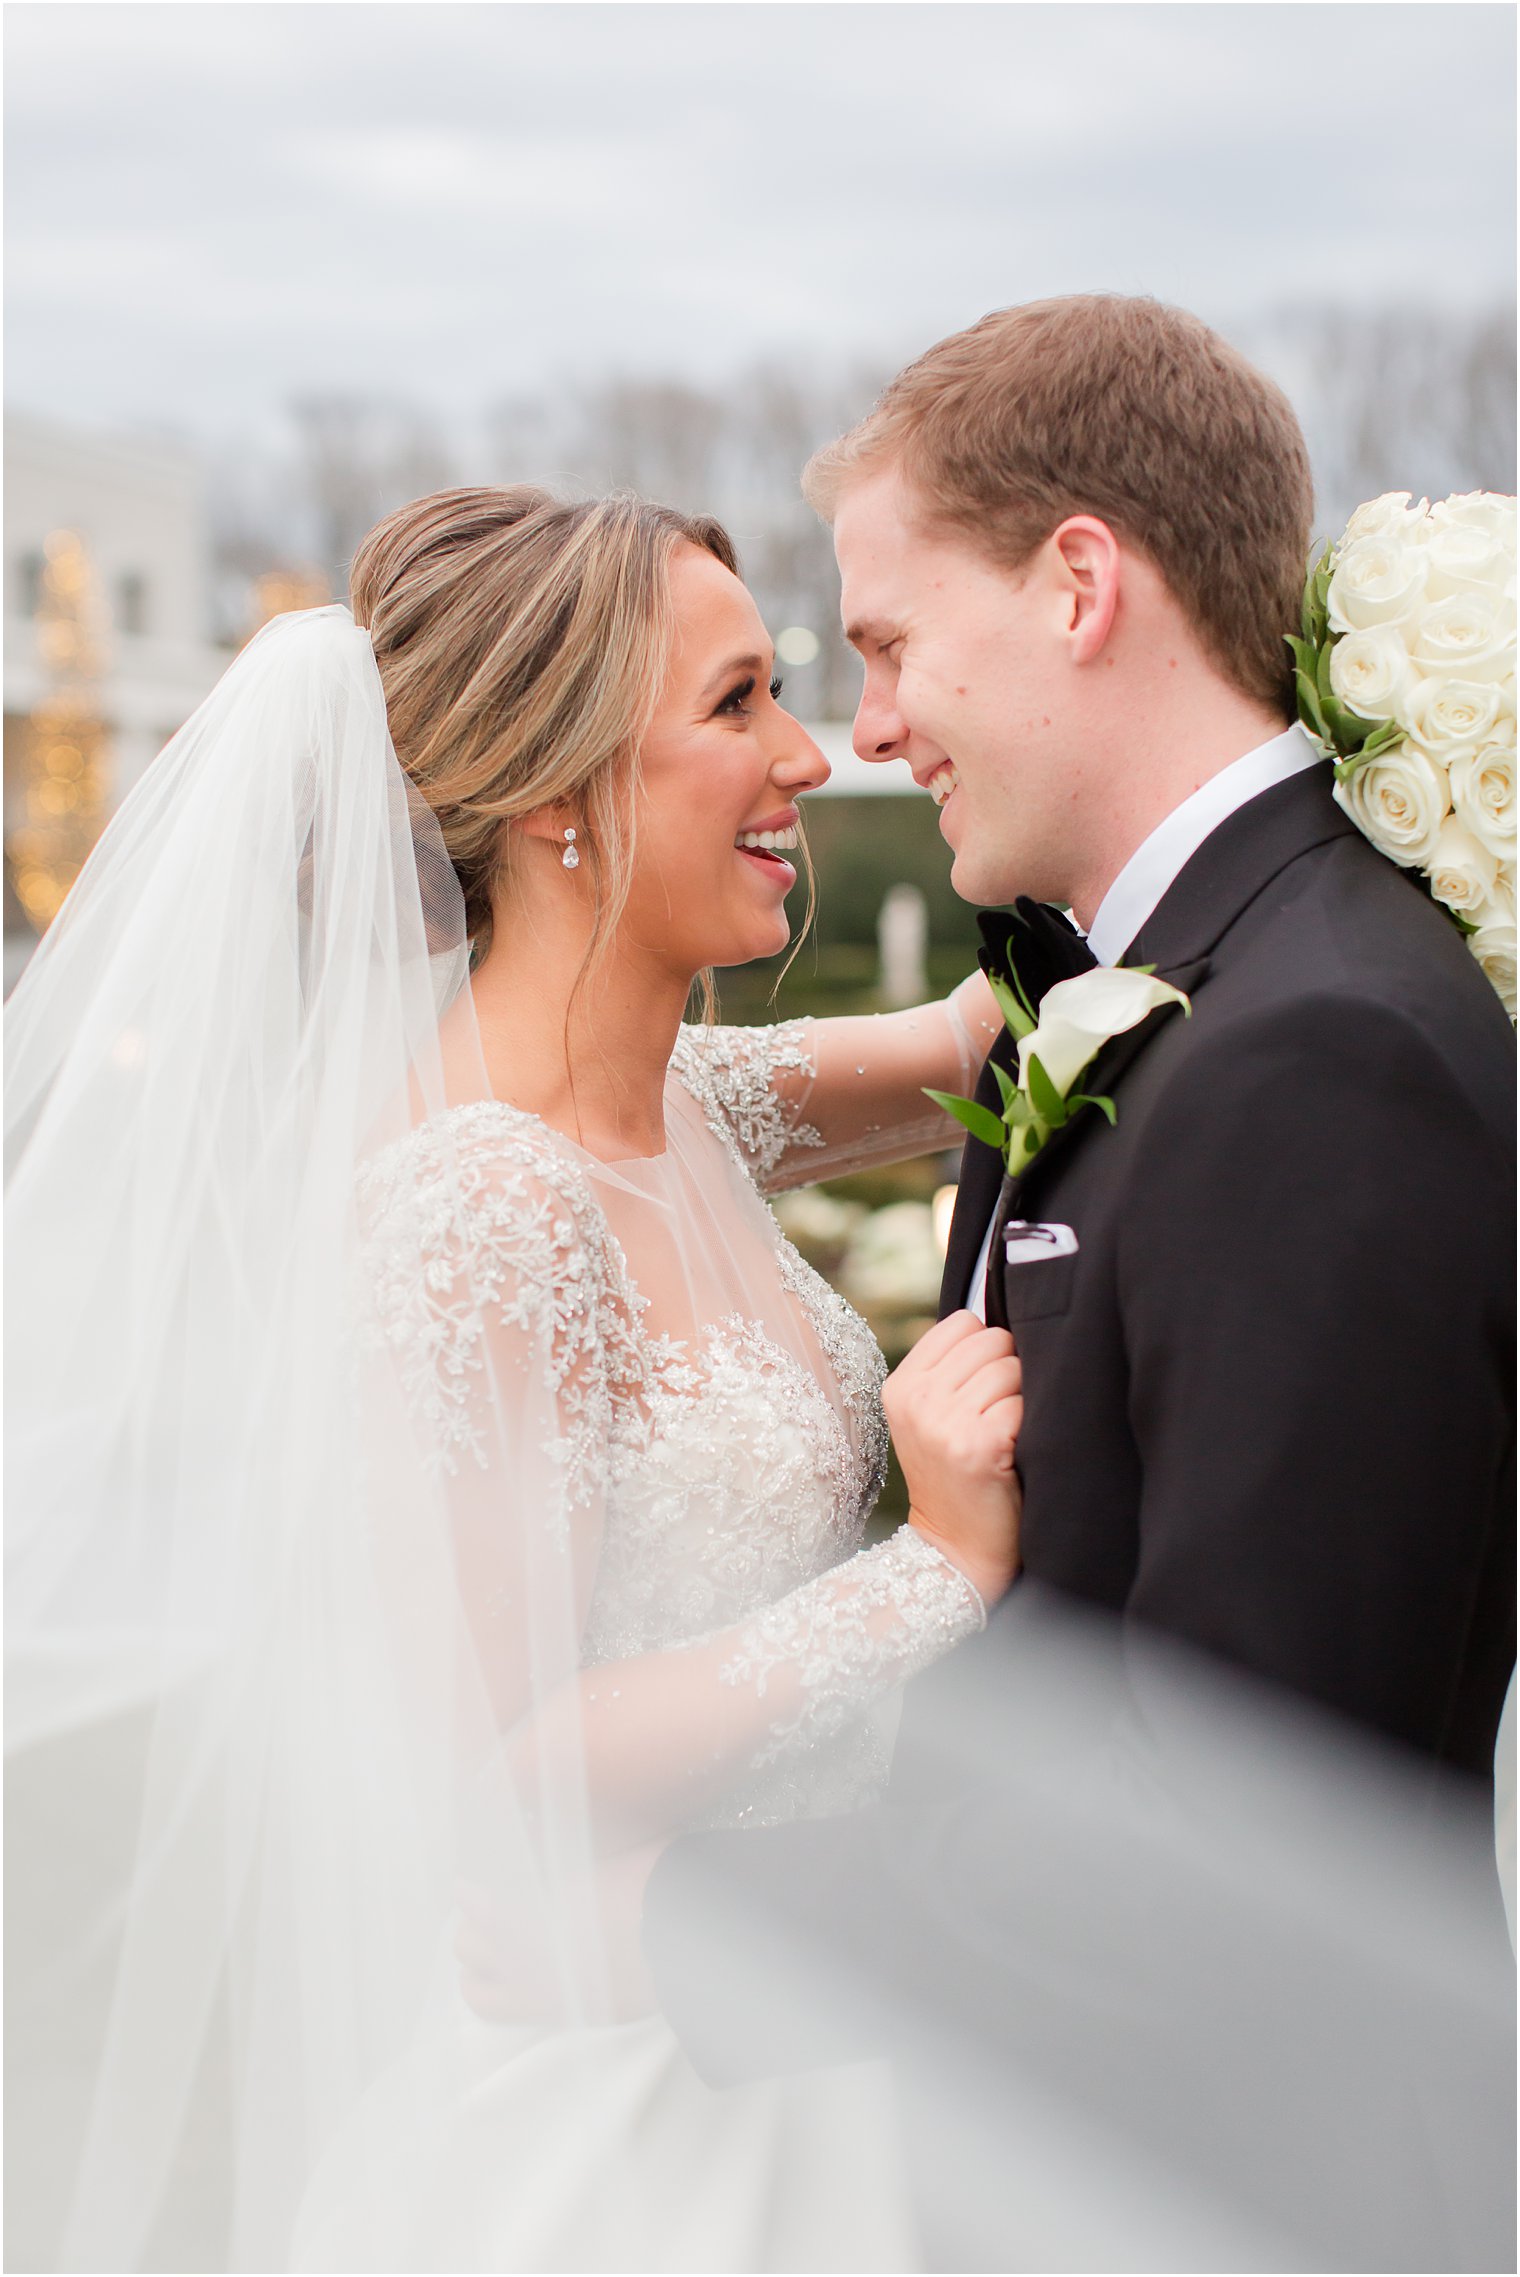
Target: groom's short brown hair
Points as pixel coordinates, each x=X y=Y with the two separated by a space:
x=1121 y=408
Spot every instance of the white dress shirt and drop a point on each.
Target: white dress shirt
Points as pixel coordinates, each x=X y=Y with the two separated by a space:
x=1154 y=867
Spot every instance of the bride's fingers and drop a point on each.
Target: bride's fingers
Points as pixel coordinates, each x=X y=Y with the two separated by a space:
x=943 y=1345
x=997 y=1380
x=966 y=1358
x=1003 y=1421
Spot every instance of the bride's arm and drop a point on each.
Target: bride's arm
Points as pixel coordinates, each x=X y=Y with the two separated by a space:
x=810 y=1099
x=657 y=1737
x=519 y=1308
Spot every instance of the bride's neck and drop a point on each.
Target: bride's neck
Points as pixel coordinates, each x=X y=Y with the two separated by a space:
x=587 y=1056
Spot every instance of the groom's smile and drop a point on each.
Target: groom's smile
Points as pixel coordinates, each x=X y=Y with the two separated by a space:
x=966 y=679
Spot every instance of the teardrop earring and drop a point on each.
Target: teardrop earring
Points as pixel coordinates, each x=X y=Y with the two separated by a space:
x=570 y=858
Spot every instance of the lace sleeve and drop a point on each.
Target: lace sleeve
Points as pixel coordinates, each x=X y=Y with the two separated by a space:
x=752 y=1084
x=510 y=1329
x=811 y=1099
x=668 y=1734
x=820 y=1655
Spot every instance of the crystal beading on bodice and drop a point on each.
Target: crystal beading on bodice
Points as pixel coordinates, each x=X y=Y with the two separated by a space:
x=731 y=1470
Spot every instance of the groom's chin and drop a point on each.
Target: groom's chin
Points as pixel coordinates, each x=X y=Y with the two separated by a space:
x=984 y=884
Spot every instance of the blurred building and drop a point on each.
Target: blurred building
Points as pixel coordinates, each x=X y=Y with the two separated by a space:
x=107 y=576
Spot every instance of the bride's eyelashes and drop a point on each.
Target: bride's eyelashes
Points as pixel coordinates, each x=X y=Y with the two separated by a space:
x=735 y=705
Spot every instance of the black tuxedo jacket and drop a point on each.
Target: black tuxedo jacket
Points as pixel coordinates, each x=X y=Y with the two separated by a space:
x=1269 y=1401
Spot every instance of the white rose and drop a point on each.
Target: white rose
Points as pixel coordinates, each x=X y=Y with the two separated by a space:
x=1463 y=554
x=1487 y=510
x=1470 y=635
x=1399 y=801
x=1462 y=872
x=1391 y=512
x=1378 y=581
x=1369 y=672
x=1499 y=909
x=1494 y=948
x=1078 y=1017
x=1442 y=713
x=1483 y=794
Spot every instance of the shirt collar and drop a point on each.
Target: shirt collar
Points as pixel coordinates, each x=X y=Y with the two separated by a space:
x=1154 y=866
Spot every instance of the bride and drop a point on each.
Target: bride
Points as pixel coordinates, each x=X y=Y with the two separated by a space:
x=434 y=1479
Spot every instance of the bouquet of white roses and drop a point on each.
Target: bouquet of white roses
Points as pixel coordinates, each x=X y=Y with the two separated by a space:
x=1406 y=678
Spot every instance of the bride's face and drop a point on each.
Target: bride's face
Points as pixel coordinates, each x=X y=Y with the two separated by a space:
x=722 y=763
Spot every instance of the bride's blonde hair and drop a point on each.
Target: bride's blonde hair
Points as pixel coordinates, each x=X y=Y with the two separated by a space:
x=522 y=643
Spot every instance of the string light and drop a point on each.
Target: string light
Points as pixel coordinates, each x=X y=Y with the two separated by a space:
x=65 y=747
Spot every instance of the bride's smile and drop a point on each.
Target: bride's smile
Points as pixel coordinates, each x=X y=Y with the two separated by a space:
x=719 y=775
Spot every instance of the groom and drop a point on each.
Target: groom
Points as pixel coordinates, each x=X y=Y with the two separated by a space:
x=1269 y=1355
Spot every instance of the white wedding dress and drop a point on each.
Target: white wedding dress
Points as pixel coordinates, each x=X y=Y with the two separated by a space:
x=718 y=1410
x=399 y=1497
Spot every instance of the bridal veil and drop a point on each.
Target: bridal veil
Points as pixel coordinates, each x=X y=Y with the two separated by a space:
x=250 y=1745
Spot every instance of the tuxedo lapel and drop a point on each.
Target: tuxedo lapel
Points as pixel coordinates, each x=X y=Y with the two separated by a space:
x=1099 y=1080
x=1035 y=946
x=980 y=1175
x=1235 y=863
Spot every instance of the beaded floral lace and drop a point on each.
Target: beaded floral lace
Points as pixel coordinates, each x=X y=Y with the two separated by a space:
x=726 y=1474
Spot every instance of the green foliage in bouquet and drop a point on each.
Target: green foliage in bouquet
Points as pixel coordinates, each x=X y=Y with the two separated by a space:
x=1342 y=736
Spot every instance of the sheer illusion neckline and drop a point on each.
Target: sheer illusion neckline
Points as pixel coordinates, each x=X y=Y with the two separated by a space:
x=588 y=1154
x=541 y=1122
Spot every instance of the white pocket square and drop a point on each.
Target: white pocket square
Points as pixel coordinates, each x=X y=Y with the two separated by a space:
x=1025 y=1244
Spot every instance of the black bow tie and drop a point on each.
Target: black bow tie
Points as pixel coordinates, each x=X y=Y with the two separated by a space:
x=1035 y=945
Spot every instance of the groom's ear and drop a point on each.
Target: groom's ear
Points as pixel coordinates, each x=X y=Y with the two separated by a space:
x=1085 y=561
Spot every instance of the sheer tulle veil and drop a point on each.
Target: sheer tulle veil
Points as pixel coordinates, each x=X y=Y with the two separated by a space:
x=249 y=1747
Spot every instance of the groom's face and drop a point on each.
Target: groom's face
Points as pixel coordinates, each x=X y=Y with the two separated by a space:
x=969 y=680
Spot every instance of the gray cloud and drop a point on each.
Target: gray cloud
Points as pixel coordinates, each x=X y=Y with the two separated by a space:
x=212 y=208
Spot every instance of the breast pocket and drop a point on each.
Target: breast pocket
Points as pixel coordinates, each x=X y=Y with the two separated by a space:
x=1038 y=1288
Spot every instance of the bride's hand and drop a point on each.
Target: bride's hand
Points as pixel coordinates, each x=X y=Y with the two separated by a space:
x=956 y=1408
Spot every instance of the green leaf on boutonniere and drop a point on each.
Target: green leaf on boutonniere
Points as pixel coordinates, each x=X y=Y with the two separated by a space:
x=1096 y=1099
x=1044 y=1097
x=980 y=1121
x=1008 y=1089
x=1013 y=1004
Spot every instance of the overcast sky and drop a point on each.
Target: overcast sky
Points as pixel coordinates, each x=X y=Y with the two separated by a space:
x=213 y=207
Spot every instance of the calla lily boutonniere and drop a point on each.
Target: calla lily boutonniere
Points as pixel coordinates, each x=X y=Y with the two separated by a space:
x=1075 y=1020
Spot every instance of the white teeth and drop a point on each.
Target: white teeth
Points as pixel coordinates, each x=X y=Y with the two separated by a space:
x=768 y=841
x=943 y=783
